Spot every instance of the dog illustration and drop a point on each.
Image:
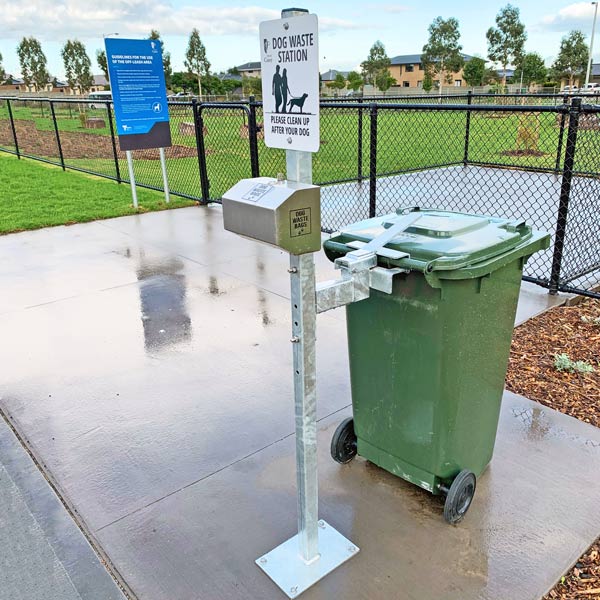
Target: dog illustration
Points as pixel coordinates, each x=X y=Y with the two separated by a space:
x=299 y=102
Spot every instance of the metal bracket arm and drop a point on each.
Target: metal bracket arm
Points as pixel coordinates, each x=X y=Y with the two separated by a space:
x=352 y=287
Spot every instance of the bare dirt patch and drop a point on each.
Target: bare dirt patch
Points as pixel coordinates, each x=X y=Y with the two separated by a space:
x=76 y=145
x=523 y=153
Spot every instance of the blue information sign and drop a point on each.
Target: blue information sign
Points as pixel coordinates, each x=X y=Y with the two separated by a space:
x=137 y=82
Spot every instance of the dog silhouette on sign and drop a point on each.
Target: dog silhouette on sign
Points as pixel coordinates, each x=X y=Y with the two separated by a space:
x=299 y=102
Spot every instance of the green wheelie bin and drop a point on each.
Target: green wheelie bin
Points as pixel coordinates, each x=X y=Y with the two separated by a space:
x=428 y=361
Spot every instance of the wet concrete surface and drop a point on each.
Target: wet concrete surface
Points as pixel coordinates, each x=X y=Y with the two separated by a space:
x=43 y=554
x=148 y=365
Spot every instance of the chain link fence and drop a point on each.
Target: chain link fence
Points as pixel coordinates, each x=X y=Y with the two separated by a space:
x=527 y=157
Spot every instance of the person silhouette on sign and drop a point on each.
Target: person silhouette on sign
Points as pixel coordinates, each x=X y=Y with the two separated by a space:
x=276 y=91
x=285 y=89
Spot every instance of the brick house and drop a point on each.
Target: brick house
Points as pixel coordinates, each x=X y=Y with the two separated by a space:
x=250 y=69
x=408 y=72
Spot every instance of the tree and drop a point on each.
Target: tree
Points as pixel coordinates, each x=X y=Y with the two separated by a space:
x=376 y=63
x=441 y=54
x=195 y=58
x=33 y=63
x=385 y=80
x=102 y=63
x=77 y=66
x=506 y=41
x=572 y=57
x=184 y=82
x=474 y=71
x=2 y=72
x=251 y=86
x=355 y=81
x=166 y=57
x=339 y=83
x=531 y=69
x=427 y=82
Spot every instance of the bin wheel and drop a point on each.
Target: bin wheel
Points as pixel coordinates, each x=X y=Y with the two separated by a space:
x=460 y=496
x=343 y=442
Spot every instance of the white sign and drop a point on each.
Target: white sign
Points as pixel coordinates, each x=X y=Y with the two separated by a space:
x=289 y=55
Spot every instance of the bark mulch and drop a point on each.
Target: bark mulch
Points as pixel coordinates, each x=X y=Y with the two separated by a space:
x=575 y=331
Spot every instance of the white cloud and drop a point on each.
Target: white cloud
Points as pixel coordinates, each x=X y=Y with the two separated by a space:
x=392 y=8
x=59 y=19
x=573 y=16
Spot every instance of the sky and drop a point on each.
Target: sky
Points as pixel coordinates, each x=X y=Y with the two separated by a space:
x=230 y=31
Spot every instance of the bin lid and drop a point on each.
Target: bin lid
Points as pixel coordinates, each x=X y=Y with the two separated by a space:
x=445 y=240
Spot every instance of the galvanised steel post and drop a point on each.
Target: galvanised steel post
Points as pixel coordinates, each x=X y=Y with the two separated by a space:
x=565 y=193
x=304 y=324
x=467 y=129
x=199 y=130
x=114 y=142
x=60 y=152
x=253 y=137
x=14 y=129
x=373 y=162
x=561 y=134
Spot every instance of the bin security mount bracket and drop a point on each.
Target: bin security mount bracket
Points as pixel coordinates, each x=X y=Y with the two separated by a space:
x=359 y=269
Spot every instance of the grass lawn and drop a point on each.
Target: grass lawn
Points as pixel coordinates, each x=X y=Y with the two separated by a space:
x=36 y=195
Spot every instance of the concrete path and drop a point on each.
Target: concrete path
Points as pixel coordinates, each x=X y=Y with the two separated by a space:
x=149 y=367
x=43 y=554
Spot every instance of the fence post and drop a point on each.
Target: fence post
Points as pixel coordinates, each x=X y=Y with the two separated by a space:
x=360 y=143
x=253 y=138
x=373 y=162
x=565 y=193
x=561 y=134
x=114 y=142
x=14 y=129
x=467 y=129
x=60 y=152
x=199 y=130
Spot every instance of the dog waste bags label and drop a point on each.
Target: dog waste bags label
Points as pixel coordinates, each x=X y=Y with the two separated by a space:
x=289 y=51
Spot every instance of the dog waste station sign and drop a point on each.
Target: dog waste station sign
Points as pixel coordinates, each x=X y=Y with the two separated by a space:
x=290 y=82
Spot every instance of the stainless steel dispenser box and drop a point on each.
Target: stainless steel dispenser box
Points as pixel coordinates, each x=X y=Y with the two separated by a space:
x=285 y=214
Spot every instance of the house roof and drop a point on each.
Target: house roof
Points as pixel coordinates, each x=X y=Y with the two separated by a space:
x=249 y=66
x=595 y=70
x=100 y=80
x=509 y=72
x=13 y=80
x=331 y=74
x=229 y=77
x=413 y=59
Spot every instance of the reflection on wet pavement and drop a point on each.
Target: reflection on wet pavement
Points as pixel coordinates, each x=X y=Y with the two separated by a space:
x=163 y=302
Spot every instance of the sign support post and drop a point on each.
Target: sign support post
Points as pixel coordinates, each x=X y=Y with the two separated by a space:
x=139 y=94
x=318 y=548
x=163 y=166
x=132 y=178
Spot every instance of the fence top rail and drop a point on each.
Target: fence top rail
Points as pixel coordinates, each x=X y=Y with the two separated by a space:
x=453 y=107
x=80 y=100
x=432 y=106
x=433 y=97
